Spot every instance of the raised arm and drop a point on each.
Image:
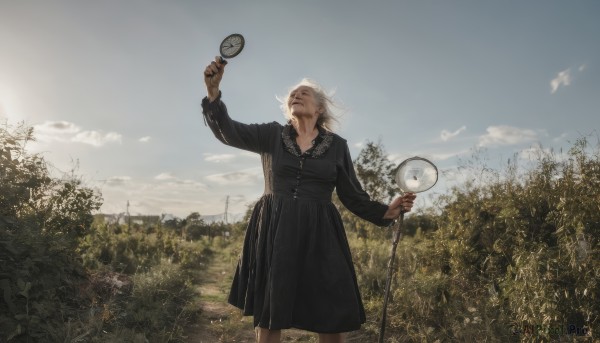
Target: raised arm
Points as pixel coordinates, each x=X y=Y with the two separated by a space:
x=252 y=137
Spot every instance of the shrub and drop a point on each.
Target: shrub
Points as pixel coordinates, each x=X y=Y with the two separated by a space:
x=514 y=256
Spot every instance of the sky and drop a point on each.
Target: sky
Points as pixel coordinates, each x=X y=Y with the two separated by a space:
x=113 y=88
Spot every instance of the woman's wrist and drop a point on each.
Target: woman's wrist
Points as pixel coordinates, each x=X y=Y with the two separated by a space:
x=213 y=94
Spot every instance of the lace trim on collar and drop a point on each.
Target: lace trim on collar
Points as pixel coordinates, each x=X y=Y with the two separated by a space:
x=322 y=142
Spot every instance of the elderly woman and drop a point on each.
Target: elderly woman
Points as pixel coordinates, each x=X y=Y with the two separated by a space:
x=295 y=269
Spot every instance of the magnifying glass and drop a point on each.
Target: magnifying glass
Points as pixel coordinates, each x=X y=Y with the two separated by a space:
x=414 y=175
x=231 y=46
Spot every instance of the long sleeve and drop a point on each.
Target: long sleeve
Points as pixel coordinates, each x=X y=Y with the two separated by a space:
x=353 y=196
x=251 y=137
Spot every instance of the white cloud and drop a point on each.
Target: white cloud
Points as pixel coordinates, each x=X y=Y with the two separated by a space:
x=164 y=176
x=506 y=135
x=145 y=139
x=534 y=152
x=562 y=78
x=218 y=158
x=446 y=135
x=96 y=138
x=64 y=131
x=173 y=181
x=55 y=131
x=249 y=154
x=236 y=178
x=57 y=127
x=582 y=67
x=179 y=197
x=397 y=158
x=187 y=183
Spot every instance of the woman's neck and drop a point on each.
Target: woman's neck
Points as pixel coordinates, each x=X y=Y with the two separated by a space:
x=307 y=132
x=305 y=126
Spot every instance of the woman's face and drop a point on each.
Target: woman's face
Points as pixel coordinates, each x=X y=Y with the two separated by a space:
x=302 y=102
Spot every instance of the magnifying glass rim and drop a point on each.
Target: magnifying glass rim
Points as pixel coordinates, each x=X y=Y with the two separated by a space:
x=403 y=163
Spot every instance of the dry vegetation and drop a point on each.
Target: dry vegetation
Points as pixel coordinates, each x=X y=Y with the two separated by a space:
x=511 y=255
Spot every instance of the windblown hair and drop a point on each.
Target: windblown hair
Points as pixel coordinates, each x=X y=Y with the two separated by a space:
x=328 y=118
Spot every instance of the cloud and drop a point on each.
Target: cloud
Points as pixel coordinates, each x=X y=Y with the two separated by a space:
x=187 y=183
x=446 y=135
x=563 y=78
x=218 y=158
x=249 y=154
x=442 y=156
x=118 y=180
x=433 y=156
x=55 y=131
x=173 y=181
x=534 y=152
x=64 y=131
x=96 y=138
x=506 y=135
x=237 y=199
x=582 y=67
x=148 y=196
x=164 y=176
x=235 y=178
x=145 y=139
x=58 y=127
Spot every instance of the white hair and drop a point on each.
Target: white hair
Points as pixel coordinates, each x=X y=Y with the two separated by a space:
x=328 y=117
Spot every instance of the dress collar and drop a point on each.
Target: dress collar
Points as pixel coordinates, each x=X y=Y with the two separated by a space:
x=319 y=148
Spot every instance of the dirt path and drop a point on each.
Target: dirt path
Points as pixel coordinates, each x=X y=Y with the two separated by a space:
x=220 y=322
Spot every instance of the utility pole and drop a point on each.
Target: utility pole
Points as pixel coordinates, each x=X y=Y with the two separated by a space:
x=128 y=218
x=226 y=208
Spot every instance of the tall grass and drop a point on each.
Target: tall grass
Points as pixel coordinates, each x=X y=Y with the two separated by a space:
x=514 y=258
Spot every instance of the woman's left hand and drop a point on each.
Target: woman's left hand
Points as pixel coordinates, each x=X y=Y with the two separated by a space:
x=400 y=205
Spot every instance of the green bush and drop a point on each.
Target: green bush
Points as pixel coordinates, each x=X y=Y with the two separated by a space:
x=513 y=256
x=41 y=219
x=61 y=277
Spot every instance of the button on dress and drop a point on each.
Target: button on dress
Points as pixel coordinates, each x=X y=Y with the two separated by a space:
x=295 y=268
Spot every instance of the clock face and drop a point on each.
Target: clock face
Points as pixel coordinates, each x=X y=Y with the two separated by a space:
x=232 y=45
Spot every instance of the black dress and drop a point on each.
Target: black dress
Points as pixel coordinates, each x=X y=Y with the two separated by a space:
x=295 y=269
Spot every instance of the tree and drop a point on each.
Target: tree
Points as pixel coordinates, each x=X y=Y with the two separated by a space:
x=375 y=172
x=194 y=227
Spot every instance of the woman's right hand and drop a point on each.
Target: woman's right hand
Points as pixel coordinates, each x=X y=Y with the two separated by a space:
x=212 y=77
